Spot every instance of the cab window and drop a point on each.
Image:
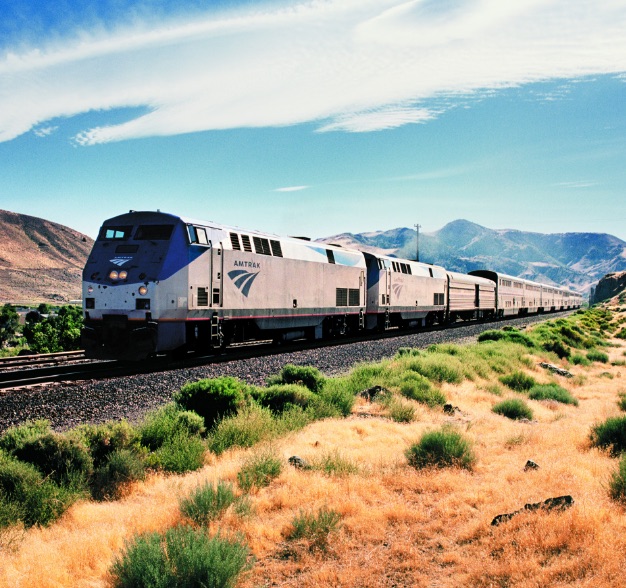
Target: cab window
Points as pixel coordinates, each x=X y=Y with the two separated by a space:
x=154 y=232
x=197 y=235
x=115 y=233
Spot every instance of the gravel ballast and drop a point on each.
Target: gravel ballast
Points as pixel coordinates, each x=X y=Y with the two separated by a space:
x=70 y=404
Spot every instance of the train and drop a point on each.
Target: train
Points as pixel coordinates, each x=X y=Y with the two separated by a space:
x=158 y=283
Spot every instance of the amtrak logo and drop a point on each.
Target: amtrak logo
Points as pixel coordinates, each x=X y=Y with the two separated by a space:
x=120 y=261
x=397 y=288
x=243 y=280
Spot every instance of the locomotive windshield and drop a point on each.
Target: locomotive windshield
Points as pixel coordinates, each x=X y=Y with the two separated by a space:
x=115 y=233
x=154 y=232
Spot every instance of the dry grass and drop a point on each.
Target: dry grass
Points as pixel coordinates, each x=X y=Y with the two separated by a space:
x=399 y=527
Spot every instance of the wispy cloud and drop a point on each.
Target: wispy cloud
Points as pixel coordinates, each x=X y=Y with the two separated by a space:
x=291 y=189
x=579 y=184
x=350 y=65
x=45 y=131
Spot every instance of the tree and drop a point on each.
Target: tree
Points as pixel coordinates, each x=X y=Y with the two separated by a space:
x=60 y=332
x=9 y=322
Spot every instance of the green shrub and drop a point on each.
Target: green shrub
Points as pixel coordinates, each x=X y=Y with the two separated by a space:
x=259 y=470
x=401 y=412
x=26 y=496
x=552 y=392
x=306 y=376
x=104 y=439
x=207 y=502
x=182 y=558
x=512 y=336
x=314 y=528
x=179 y=454
x=617 y=483
x=245 y=429
x=622 y=401
x=579 y=359
x=118 y=469
x=169 y=422
x=621 y=334
x=610 y=435
x=513 y=408
x=64 y=460
x=443 y=448
x=518 y=381
x=339 y=393
x=438 y=368
x=334 y=464
x=596 y=355
x=557 y=346
x=417 y=387
x=15 y=437
x=280 y=396
x=213 y=399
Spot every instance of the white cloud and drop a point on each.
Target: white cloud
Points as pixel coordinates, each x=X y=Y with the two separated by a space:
x=350 y=65
x=579 y=184
x=291 y=189
x=45 y=131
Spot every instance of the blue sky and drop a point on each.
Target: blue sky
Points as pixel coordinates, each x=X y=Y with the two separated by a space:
x=316 y=117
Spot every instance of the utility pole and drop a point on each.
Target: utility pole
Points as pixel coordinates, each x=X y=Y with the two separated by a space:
x=417 y=242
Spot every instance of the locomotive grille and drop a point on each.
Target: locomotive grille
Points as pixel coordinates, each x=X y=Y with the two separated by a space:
x=342 y=296
x=203 y=297
x=353 y=297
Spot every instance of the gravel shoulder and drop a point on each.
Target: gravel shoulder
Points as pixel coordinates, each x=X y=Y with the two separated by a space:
x=71 y=404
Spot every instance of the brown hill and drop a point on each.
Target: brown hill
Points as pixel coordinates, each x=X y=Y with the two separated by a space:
x=40 y=261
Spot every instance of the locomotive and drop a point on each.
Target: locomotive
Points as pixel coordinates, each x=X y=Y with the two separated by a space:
x=159 y=283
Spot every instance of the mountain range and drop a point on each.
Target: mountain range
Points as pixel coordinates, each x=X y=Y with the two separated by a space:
x=576 y=260
x=42 y=261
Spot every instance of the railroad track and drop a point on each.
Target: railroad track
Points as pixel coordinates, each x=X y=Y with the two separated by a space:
x=72 y=366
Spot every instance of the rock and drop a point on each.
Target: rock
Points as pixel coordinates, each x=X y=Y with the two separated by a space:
x=610 y=285
x=373 y=392
x=555 y=369
x=531 y=465
x=449 y=409
x=557 y=503
x=297 y=462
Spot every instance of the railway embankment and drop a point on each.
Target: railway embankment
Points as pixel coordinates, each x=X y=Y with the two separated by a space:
x=400 y=490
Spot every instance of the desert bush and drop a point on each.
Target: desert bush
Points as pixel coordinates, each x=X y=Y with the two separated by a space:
x=551 y=392
x=596 y=355
x=314 y=528
x=259 y=470
x=401 y=412
x=438 y=367
x=417 y=387
x=207 y=502
x=115 y=472
x=181 y=558
x=307 y=376
x=250 y=426
x=617 y=483
x=334 y=464
x=169 y=422
x=622 y=401
x=443 y=448
x=278 y=397
x=338 y=393
x=513 y=408
x=579 y=359
x=180 y=453
x=557 y=346
x=611 y=434
x=63 y=460
x=213 y=399
x=509 y=335
x=104 y=439
x=15 y=437
x=26 y=496
x=518 y=381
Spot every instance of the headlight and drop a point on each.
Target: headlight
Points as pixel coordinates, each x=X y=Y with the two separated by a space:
x=143 y=290
x=90 y=289
x=113 y=275
x=123 y=275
